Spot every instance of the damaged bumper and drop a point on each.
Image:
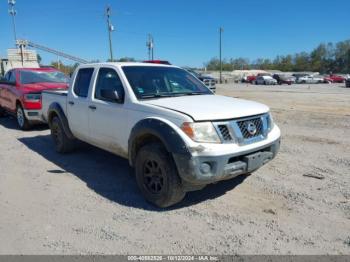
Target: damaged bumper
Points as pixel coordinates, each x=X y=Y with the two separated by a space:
x=203 y=170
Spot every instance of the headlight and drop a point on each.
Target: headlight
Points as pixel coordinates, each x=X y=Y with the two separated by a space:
x=201 y=132
x=32 y=97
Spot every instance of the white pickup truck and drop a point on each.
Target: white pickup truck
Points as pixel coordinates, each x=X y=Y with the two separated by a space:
x=177 y=135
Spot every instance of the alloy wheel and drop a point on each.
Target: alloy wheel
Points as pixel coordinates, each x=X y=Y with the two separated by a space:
x=153 y=177
x=20 y=117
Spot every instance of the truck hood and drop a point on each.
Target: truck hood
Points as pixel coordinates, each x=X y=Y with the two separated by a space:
x=38 y=87
x=210 y=107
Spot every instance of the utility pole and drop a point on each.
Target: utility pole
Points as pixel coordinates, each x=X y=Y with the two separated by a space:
x=150 y=45
x=110 y=30
x=13 y=13
x=221 y=30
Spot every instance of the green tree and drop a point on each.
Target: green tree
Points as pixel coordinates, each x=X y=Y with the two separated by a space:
x=301 y=62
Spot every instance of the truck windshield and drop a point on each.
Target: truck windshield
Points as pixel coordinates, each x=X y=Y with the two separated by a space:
x=31 y=77
x=156 y=82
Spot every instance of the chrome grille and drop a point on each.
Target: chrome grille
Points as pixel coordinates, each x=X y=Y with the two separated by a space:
x=245 y=125
x=245 y=130
x=225 y=133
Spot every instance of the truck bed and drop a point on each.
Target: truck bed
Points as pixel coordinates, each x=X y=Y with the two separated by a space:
x=53 y=96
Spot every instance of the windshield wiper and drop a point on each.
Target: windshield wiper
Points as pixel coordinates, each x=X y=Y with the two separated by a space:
x=155 y=96
x=191 y=93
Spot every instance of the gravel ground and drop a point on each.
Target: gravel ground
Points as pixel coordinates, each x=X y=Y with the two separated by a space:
x=87 y=202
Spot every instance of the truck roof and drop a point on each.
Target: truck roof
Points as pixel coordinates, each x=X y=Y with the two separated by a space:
x=127 y=64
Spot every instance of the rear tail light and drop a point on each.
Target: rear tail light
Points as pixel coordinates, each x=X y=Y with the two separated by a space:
x=32 y=98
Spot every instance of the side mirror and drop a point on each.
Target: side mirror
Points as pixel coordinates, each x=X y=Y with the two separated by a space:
x=112 y=95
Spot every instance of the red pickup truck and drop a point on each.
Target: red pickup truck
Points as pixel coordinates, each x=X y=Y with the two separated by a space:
x=20 y=92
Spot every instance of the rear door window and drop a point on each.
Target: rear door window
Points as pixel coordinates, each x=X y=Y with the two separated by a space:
x=82 y=82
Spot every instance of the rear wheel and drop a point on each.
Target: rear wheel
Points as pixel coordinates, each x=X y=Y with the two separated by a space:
x=157 y=176
x=63 y=144
x=22 y=121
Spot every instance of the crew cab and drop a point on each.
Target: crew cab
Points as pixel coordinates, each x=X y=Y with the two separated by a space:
x=20 y=92
x=177 y=135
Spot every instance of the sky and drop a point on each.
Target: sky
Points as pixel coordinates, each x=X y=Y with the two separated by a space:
x=186 y=32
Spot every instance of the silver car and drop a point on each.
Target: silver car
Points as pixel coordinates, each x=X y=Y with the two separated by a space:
x=265 y=80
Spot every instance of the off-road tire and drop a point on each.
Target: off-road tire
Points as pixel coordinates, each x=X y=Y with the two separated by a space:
x=155 y=170
x=63 y=144
x=21 y=118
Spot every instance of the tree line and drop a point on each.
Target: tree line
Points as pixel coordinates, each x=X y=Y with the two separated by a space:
x=325 y=59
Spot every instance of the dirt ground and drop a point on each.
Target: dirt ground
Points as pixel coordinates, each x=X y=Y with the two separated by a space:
x=87 y=202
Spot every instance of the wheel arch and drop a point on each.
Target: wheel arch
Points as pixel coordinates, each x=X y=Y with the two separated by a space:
x=18 y=103
x=56 y=110
x=155 y=130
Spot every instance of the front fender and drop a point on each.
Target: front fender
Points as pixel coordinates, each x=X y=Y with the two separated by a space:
x=172 y=141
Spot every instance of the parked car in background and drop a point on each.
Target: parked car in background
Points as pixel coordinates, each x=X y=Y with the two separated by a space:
x=177 y=135
x=337 y=79
x=265 y=80
x=251 y=79
x=284 y=79
x=327 y=80
x=20 y=92
x=310 y=80
x=208 y=80
x=347 y=83
x=299 y=75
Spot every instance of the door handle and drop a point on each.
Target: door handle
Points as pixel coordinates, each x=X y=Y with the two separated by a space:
x=93 y=108
x=71 y=103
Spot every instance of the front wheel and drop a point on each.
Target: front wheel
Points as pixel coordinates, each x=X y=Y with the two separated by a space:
x=157 y=176
x=22 y=121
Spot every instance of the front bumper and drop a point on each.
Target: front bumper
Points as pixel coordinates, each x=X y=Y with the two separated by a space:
x=34 y=116
x=224 y=167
